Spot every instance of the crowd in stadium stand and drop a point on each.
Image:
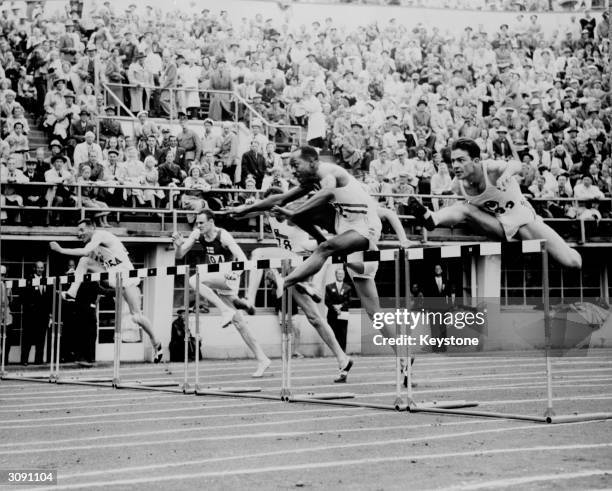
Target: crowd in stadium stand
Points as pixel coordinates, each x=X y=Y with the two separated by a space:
x=384 y=101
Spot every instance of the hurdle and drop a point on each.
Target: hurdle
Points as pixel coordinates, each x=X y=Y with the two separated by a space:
x=402 y=400
x=56 y=299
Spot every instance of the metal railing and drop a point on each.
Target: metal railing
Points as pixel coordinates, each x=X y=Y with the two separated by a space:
x=174 y=212
x=296 y=133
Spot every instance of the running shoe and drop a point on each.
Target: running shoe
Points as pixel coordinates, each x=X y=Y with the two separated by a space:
x=415 y=208
x=344 y=373
x=159 y=353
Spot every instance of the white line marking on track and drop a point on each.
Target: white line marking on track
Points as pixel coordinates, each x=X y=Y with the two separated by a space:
x=529 y=427
x=516 y=481
x=266 y=454
x=225 y=415
x=322 y=465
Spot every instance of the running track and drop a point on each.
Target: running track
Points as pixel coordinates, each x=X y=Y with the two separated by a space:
x=97 y=437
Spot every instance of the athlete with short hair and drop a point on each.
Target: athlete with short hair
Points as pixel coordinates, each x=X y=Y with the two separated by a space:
x=221 y=289
x=494 y=203
x=104 y=252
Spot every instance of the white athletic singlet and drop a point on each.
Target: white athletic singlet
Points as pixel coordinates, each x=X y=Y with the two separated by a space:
x=510 y=207
x=111 y=253
x=290 y=237
x=357 y=210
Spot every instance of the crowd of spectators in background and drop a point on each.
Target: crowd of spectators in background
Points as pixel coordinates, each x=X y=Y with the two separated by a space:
x=384 y=101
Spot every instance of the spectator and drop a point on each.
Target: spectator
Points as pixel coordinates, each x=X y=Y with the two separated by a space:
x=82 y=150
x=188 y=141
x=90 y=195
x=194 y=198
x=151 y=177
x=61 y=194
x=254 y=164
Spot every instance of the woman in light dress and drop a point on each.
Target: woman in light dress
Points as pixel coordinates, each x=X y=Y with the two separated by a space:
x=151 y=176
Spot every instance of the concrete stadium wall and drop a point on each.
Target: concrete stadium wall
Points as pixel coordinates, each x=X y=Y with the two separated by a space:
x=448 y=21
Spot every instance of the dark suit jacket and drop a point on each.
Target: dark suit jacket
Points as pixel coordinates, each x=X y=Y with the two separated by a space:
x=179 y=157
x=78 y=130
x=157 y=153
x=254 y=164
x=435 y=298
x=498 y=151
x=37 y=304
x=167 y=172
x=335 y=297
x=40 y=191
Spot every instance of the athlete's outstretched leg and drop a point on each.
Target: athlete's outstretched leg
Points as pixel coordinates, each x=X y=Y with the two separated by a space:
x=132 y=297
x=84 y=266
x=344 y=243
x=263 y=362
x=325 y=331
x=557 y=247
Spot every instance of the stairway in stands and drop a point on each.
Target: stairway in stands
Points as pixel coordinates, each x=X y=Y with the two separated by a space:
x=37 y=138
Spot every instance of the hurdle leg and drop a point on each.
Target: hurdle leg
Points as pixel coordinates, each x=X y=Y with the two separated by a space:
x=408 y=368
x=399 y=402
x=3 y=341
x=53 y=328
x=197 y=329
x=186 y=388
x=58 y=335
x=549 y=413
x=289 y=339
x=118 y=315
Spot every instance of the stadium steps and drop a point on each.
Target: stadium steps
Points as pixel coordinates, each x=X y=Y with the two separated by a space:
x=37 y=138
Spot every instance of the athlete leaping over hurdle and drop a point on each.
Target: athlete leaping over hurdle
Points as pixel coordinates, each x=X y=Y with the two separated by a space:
x=357 y=223
x=221 y=288
x=104 y=252
x=494 y=203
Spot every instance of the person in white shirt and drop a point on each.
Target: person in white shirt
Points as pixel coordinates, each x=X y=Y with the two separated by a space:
x=586 y=191
x=382 y=167
x=81 y=151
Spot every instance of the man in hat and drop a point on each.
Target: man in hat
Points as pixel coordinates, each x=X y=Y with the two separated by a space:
x=221 y=79
x=79 y=127
x=353 y=146
x=503 y=148
x=68 y=42
x=142 y=81
x=188 y=140
x=110 y=126
x=60 y=194
x=88 y=67
x=33 y=195
x=168 y=80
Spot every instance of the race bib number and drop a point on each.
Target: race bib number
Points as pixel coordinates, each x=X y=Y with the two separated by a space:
x=283 y=241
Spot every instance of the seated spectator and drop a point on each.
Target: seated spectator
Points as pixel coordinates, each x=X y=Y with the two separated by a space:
x=82 y=150
x=194 y=197
x=81 y=126
x=114 y=173
x=108 y=125
x=89 y=196
x=87 y=99
x=151 y=177
x=441 y=183
x=18 y=144
x=145 y=127
x=62 y=194
x=171 y=175
x=134 y=175
x=11 y=176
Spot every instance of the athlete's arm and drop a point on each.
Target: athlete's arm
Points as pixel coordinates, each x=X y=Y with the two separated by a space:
x=229 y=243
x=398 y=228
x=505 y=171
x=269 y=202
x=182 y=246
x=328 y=183
x=96 y=239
